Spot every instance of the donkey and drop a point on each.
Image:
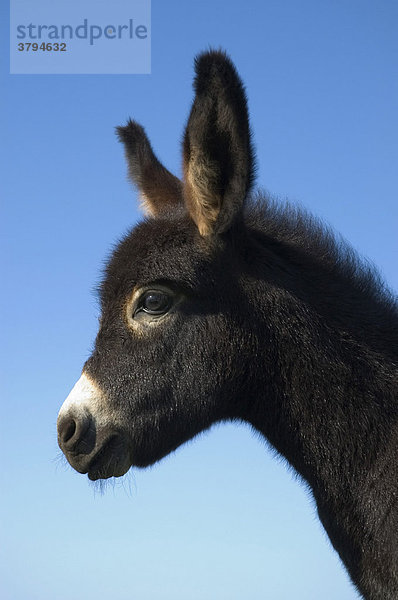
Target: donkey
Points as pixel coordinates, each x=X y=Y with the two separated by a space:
x=222 y=305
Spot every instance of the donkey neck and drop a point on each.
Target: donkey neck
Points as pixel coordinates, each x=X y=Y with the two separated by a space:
x=290 y=248
x=325 y=395
x=324 y=325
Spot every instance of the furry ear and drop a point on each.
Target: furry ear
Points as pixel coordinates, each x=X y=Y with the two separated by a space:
x=159 y=189
x=217 y=153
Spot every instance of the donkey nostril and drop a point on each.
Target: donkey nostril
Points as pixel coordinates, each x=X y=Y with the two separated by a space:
x=68 y=430
x=67 y=427
x=76 y=433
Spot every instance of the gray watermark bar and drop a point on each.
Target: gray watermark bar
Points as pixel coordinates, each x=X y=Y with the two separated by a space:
x=80 y=36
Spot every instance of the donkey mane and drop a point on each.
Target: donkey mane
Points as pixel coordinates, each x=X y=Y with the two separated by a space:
x=354 y=293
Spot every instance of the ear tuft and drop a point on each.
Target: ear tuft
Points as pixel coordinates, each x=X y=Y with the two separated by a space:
x=215 y=71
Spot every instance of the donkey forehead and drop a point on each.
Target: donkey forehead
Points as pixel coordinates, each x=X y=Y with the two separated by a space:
x=157 y=249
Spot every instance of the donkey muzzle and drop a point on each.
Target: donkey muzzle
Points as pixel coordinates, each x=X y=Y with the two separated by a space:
x=91 y=443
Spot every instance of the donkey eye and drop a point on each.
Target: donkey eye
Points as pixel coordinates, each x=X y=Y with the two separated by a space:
x=155 y=302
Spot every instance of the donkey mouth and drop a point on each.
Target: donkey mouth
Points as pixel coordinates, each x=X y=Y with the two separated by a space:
x=112 y=460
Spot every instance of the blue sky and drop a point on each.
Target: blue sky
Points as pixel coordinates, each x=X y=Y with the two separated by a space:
x=222 y=517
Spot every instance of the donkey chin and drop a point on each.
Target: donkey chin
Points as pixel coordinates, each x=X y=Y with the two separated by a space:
x=91 y=442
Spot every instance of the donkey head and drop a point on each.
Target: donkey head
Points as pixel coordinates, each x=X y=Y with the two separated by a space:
x=174 y=350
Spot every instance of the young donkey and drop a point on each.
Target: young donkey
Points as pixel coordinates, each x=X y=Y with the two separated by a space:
x=222 y=307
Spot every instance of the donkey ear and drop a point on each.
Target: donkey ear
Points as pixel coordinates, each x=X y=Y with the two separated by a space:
x=217 y=152
x=159 y=189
